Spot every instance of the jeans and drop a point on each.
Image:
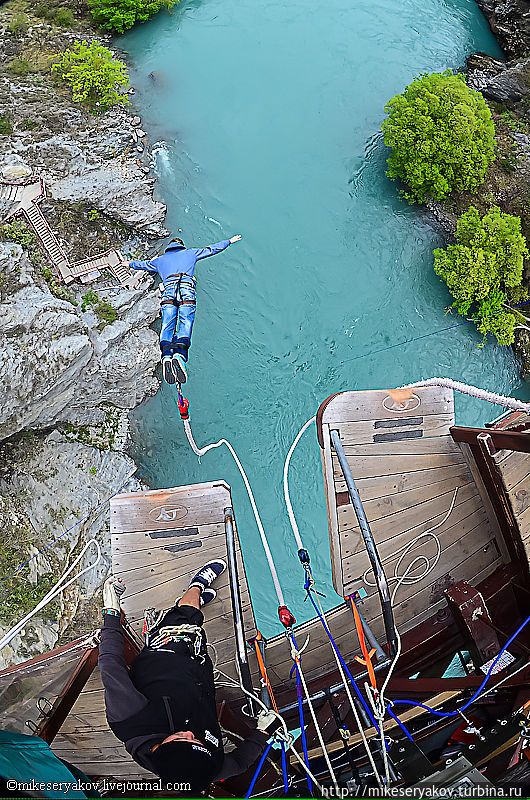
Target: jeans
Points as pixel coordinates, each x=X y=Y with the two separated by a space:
x=177 y=320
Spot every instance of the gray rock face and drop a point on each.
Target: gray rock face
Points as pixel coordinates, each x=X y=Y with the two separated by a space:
x=503 y=82
x=122 y=192
x=54 y=483
x=509 y=21
x=55 y=363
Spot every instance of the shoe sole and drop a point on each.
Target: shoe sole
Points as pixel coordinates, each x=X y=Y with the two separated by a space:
x=178 y=372
x=167 y=371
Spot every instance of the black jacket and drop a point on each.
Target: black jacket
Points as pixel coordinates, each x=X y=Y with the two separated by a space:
x=165 y=692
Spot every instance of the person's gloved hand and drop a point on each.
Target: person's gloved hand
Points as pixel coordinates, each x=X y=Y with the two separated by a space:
x=113 y=589
x=268 y=722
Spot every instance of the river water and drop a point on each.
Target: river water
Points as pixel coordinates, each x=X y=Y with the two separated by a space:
x=267 y=118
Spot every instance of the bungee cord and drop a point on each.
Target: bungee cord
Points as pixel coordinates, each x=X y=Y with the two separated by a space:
x=200 y=451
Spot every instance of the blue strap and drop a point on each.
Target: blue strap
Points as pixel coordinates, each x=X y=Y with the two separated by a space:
x=347 y=671
x=284 y=769
x=471 y=699
x=258 y=770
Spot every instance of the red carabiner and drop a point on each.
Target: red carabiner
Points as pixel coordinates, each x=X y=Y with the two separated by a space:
x=183 y=407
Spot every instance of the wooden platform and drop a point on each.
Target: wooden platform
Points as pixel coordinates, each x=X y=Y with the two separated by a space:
x=407 y=468
x=86 y=740
x=160 y=539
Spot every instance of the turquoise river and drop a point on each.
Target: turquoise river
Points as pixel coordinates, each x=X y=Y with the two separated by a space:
x=266 y=118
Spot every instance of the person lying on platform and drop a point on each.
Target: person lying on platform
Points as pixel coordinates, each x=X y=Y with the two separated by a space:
x=176 y=267
x=163 y=707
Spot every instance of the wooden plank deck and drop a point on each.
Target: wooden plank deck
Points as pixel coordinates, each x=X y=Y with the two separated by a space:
x=159 y=540
x=514 y=469
x=407 y=469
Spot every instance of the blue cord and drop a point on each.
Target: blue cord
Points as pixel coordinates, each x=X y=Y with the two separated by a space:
x=301 y=716
x=258 y=770
x=21 y=566
x=472 y=699
x=348 y=673
x=405 y=731
x=284 y=769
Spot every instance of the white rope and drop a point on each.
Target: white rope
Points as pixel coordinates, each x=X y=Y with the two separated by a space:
x=200 y=452
x=352 y=704
x=295 y=655
x=292 y=518
x=406 y=579
x=286 y=735
x=473 y=391
x=298 y=538
x=54 y=591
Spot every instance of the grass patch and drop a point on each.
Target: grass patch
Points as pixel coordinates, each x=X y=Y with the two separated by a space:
x=6 y=128
x=59 y=290
x=104 y=311
x=19 y=66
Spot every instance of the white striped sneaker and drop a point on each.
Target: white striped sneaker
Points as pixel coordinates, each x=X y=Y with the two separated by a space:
x=207 y=574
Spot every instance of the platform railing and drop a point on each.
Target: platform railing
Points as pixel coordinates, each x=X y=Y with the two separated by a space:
x=369 y=542
x=239 y=627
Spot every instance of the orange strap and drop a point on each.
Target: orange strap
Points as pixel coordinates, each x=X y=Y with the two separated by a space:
x=367 y=655
x=263 y=670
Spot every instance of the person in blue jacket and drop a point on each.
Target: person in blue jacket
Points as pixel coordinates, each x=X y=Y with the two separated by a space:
x=176 y=268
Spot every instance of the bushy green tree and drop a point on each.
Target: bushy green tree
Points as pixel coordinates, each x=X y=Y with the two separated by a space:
x=120 y=15
x=442 y=137
x=484 y=270
x=96 y=77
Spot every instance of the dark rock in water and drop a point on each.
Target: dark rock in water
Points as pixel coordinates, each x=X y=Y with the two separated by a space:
x=503 y=82
x=509 y=21
x=158 y=77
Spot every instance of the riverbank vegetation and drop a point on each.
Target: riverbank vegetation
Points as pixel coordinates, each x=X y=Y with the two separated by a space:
x=442 y=137
x=95 y=76
x=120 y=15
x=459 y=154
x=484 y=271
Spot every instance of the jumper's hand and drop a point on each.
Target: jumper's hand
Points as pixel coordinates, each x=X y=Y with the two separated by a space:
x=236 y=238
x=124 y=264
x=268 y=722
x=113 y=589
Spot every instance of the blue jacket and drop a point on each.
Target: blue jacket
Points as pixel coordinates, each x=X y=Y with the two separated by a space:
x=178 y=258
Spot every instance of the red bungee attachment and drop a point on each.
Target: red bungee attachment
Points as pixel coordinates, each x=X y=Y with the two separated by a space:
x=286 y=618
x=183 y=405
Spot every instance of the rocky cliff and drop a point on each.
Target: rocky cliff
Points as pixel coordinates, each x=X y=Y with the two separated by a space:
x=509 y=21
x=73 y=360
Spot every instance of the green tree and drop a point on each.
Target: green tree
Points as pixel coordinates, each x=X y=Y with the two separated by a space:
x=96 y=77
x=120 y=15
x=442 y=137
x=484 y=270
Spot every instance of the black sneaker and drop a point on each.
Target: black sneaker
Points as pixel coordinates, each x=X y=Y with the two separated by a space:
x=207 y=574
x=167 y=370
x=179 y=369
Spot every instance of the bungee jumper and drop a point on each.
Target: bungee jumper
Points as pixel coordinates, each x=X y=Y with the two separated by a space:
x=176 y=268
x=163 y=706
